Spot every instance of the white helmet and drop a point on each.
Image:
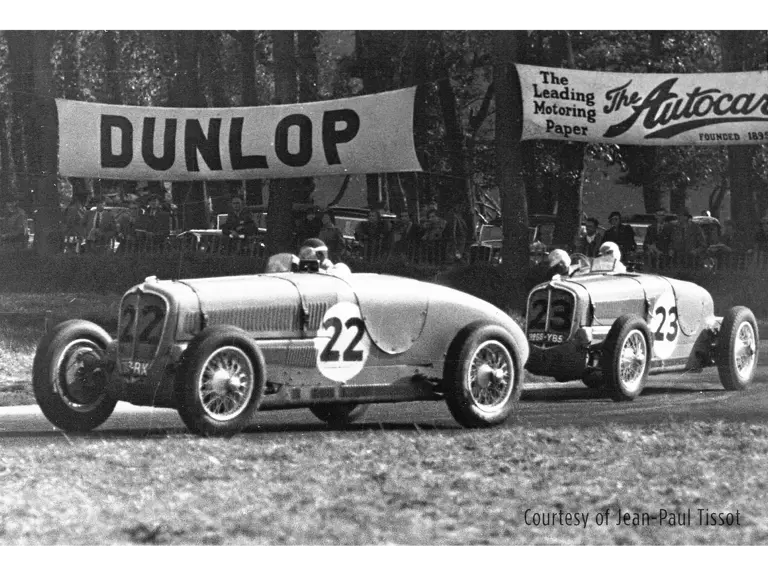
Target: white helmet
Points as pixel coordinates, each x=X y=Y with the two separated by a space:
x=559 y=257
x=610 y=249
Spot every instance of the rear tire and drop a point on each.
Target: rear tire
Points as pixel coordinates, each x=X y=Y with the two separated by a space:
x=737 y=348
x=67 y=379
x=627 y=357
x=483 y=377
x=221 y=382
x=339 y=415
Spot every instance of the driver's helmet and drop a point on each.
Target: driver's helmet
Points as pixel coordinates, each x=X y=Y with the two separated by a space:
x=559 y=260
x=313 y=249
x=610 y=249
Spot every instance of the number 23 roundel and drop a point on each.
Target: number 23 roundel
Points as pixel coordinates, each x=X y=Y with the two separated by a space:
x=664 y=326
x=342 y=343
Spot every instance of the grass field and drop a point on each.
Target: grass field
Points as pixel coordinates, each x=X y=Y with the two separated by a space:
x=387 y=487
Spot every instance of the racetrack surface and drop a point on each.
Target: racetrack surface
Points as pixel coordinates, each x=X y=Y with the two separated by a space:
x=667 y=398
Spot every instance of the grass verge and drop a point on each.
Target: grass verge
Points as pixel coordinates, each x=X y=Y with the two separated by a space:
x=387 y=487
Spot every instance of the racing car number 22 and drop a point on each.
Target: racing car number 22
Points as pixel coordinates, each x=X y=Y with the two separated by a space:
x=342 y=342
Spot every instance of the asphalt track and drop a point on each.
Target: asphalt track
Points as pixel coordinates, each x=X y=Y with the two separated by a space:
x=667 y=398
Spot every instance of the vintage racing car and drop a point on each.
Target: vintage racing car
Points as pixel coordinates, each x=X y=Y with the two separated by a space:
x=219 y=349
x=612 y=329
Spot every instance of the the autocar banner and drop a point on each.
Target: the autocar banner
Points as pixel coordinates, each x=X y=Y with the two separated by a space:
x=362 y=134
x=649 y=109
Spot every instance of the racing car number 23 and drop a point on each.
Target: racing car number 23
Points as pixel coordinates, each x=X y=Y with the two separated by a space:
x=342 y=342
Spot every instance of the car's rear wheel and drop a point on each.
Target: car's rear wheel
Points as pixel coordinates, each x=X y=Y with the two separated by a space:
x=339 y=415
x=737 y=348
x=482 y=378
x=627 y=357
x=68 y=377
x=221 y=382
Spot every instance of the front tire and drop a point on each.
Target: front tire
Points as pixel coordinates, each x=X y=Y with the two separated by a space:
x=339 y=415
x=68 y=376
x=627 y=357
x=737 y=348
x=221 y=382
x=483 y=378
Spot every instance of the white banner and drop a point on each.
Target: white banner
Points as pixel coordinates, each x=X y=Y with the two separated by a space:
x=364 y=134
x=650 y=109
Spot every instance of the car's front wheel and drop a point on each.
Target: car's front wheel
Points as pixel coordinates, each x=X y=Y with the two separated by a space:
x=339 y=415
x=482 y=378
x=68 y=376
x=221 y=382
x=627 y=357
x=737 y=348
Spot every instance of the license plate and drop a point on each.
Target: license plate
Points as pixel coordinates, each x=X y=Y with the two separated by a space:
x=543 y=337
x=135 y=367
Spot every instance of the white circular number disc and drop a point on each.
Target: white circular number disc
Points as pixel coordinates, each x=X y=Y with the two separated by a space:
x=664 y=326
x=342 y=342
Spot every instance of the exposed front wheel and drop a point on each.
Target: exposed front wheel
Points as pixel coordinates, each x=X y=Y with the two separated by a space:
x=737 y=348
x=68 y=376
x=339 y=415
x=483 y=378
x=627 y=357
x=222 y=382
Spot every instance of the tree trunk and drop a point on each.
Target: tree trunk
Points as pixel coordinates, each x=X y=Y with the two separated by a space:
x=70 y=67
x=509 y=119
x=279 y=213
x=22 y=86
x=187 y=92
x=254 y=189
x=371 y=85
x=744 y=212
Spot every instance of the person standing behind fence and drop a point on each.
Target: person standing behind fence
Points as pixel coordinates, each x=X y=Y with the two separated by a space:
x=686 y=239
x=155 y=225
x=657 y=238
x=456 y=234
x=404 y=233
x=620 y=234
x=126 y=227
x=75 y=219
x=239 y=224
x=100 y=228
x=590 y=242
x=373 y=235
x=332 y=236
x=13 y=226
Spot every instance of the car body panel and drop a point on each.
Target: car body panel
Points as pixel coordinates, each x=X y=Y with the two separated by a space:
x=324 y=338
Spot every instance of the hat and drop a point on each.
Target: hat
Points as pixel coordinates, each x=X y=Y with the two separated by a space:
x=559 y=256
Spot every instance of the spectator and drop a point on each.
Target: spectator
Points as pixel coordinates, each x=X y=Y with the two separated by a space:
x=657 y=238
x=126 y=226
x=761 y=238
x=686 y=238
x=433 y=227
x=373 y=235
x=620 y=234
x=310 y=226
x=404 y=233
x=155 y=224
x=456 y=234
x=331 y=235
x=75 y=219
x=13 y=226
x=100 y=227
x=590 y=242
x=239 y=225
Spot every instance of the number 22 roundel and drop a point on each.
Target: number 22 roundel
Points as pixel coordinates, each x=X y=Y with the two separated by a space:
x=342 y=343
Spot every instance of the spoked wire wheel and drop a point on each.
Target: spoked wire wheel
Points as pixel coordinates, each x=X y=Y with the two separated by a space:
x=744 y=350
x=226 y=383
x=634 y=356
x=78 y=382
x=491 y=375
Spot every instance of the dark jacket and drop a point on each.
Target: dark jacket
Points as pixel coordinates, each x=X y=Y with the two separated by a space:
x=624 y=237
